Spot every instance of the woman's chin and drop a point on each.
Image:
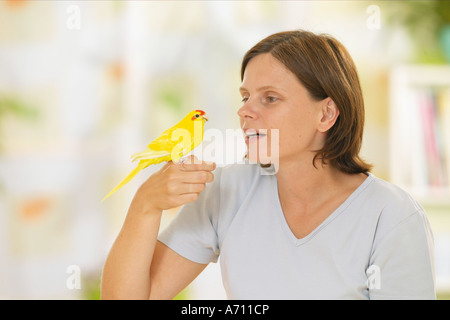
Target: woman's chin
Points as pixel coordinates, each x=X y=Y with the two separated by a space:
x=259 y=160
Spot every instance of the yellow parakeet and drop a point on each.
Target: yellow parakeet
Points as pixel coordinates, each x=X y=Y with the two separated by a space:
x=172 y=144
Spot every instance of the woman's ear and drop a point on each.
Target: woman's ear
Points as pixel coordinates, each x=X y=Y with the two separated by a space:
x=330 y=113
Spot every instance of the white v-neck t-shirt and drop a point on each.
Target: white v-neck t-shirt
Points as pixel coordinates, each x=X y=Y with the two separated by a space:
x=376 y=245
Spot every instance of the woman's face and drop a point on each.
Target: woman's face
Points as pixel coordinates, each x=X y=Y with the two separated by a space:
x=274 y=101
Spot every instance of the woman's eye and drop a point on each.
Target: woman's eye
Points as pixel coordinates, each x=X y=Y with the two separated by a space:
x=244 y=99
x=271 y=99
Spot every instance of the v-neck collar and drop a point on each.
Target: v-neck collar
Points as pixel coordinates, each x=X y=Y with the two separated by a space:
x=279 y=211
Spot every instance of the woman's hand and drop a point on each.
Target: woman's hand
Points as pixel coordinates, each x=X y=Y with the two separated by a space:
x=173 y=185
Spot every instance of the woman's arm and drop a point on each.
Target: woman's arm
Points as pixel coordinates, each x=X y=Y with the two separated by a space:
x=139 y=267
x=170 y=273
x=126 y=271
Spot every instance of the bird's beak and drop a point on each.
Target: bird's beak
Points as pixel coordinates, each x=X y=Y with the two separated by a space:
x=205 y=117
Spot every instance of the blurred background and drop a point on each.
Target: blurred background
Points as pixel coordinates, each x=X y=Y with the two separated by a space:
x=85 y=84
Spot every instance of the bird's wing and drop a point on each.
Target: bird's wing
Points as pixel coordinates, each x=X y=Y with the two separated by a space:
x=162 y=142
x=160 y=147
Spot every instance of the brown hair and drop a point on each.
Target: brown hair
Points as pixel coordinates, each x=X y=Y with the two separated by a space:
x=326 y=69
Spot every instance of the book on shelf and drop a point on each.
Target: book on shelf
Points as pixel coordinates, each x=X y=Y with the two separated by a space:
x=428 y=144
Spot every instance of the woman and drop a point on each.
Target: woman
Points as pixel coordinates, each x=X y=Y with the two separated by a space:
x=321 y=227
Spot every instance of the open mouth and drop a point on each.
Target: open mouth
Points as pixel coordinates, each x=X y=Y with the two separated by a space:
x=253 y=134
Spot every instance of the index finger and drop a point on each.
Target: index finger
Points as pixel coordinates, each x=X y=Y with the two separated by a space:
x=198 y=166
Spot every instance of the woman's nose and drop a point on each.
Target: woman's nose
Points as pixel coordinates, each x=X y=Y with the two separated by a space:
x=246 y=112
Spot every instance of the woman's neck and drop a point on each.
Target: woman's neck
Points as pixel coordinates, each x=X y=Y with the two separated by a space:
x=304 y=181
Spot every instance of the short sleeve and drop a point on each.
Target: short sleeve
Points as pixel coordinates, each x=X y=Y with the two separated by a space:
x=402 y=261
x=193 y=231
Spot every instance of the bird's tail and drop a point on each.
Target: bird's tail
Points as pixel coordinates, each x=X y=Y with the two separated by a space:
x=149 y=154
x=139 y=167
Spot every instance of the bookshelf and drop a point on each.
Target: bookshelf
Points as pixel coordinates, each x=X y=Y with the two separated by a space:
x=419 y=117
x=420 y=132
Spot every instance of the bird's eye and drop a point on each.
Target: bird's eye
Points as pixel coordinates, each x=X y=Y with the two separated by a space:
x=197 y=115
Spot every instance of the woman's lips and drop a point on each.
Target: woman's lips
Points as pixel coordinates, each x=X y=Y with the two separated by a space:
x=253 y=134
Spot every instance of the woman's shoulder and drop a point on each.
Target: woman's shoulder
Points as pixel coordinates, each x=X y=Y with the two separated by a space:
x=395 y=203
x=394 y=195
